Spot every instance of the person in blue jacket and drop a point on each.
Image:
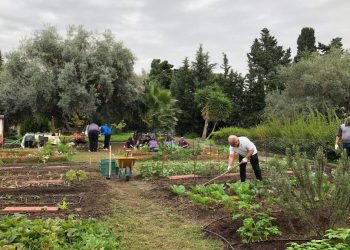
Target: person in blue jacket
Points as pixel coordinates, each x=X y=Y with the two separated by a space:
x=106 y=131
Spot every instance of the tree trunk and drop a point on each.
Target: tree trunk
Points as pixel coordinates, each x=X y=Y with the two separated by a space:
x=212 y=130
x=205 y=129
x=52 y=124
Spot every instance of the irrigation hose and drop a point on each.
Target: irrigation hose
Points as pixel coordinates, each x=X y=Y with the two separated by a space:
x=220 y=236
x=224 y=217
x=205 y=228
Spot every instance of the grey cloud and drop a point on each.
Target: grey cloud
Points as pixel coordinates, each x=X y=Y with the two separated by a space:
x=173 y=30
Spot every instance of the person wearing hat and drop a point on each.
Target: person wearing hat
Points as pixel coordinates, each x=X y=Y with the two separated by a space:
x=245 y=150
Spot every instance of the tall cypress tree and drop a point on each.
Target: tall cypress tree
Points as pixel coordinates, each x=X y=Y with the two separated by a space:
x=336 y=43
x=183 y=88
x=232 y=84
x=202 y=68
x=161 y=72
x=225 y=66
x=306 y=43
x=263 y=60
x=1 y=60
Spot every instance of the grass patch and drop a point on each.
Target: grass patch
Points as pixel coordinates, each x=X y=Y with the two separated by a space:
x=153 y=228
x=144 y=224
x=119 y=137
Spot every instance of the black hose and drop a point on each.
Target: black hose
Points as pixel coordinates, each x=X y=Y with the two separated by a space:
x=204 y=228
x=221 y=237
x=224 y=217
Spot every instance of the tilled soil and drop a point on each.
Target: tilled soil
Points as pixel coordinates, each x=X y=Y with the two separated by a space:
x=217 y=220
x=84 y=199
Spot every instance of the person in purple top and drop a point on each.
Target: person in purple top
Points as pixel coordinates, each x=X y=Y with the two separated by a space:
x=153 y=145
x=93 y=130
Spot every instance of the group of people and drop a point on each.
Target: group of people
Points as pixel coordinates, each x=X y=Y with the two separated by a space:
x=241 y=148
x=93 y=131
x=151 y=142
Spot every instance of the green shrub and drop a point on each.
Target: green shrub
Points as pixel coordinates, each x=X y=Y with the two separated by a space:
x=318 y=200
x=221 y=135
x=35 y=125
x=310 y=129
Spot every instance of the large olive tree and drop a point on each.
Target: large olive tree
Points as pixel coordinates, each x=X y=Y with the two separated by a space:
x=318 y=81
x=82 y=74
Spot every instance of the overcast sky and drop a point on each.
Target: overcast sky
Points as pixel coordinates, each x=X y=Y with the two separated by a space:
x=173 y=29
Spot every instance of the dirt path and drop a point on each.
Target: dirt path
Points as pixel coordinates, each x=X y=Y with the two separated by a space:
x=143 y=224
x=141 y=221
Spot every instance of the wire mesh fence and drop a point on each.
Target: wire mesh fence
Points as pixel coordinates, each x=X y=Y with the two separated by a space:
x=205 y=159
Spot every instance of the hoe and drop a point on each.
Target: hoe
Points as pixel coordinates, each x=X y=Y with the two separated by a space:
x=217 y=177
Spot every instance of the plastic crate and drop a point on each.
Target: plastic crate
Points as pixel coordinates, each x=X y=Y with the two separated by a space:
x=104 y=167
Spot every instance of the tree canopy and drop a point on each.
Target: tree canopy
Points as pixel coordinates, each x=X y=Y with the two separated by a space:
x=83 y=74
x=214 y=105
x=314 y=82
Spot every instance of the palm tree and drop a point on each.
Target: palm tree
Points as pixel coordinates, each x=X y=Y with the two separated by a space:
x=160 y=112
x=215 y=106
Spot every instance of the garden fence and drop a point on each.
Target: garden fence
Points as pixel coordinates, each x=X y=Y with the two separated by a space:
x=206 y=159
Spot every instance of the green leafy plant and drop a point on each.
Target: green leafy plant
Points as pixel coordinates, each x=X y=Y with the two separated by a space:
x=202 y=200
x=63 y=205
x=333 y=239
x=258 y=228
x=118 y=127
x=18 y=232
x=257 y=225
x=76 y=175
x=179 y=190
x=243 y=190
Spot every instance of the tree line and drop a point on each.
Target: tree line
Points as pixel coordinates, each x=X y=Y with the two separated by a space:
x=85 y=76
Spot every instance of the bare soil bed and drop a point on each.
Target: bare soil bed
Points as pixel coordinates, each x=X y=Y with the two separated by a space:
x=45 y=186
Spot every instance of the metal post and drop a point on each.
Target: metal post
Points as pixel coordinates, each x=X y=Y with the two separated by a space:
x=2 y=130
x=210 y=157
x=110 y=163
x=163 y=162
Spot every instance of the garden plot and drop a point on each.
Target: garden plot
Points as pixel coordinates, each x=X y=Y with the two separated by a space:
x=216 y=220
x=297 y=202
x=50 y=191
x=49 y=153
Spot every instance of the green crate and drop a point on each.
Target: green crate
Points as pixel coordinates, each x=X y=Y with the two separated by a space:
x=104 y=167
